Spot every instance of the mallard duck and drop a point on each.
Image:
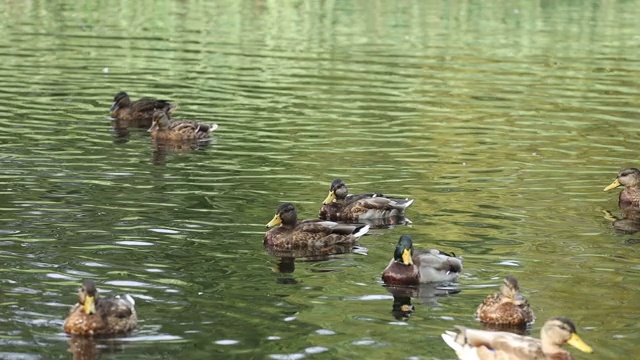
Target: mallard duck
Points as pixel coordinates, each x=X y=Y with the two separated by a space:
x=339 y=205
x=494 y=345
x=412 y=267
x=94 y=315
x=315 y=233
x=140 y=112
x=178 y=130
x=630 y=196
x=507 y=306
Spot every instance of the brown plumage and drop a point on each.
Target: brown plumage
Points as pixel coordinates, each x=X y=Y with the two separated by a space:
x=496 y=345
x=412 y=267
x=315 y=233
x=507 y=306
x=179 y=130
x=630 y=196
x=340 y=206
x=628 y=223
x=138 y=113
x=95 y=315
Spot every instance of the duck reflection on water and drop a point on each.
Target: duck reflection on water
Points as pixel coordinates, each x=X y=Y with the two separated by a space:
x=627 y=223
x=426 y=294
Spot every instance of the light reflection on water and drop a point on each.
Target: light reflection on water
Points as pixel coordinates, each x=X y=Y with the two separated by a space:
x=503 y=121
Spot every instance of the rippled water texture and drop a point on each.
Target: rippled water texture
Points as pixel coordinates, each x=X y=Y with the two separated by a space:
x=504 y=120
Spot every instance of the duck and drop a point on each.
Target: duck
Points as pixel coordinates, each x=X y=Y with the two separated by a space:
x=289 y=233
x=630 y=196
x=413 y=267
x=96 y=315
x=493 y=345
x=507 y=306
x=162 y=128
x=138 y=113
x=340 y=206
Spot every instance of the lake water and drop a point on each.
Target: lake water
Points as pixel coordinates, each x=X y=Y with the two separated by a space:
x=503 y=120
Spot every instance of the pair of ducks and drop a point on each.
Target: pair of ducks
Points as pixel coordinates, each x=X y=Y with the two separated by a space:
x=410 y=267
x=155 y=115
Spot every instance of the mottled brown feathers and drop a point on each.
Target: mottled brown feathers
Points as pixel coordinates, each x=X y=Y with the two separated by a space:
x=162 y=128
x=95 y=315
x=292 y=234
x=340 y=206
x=137 y=113
x=507 y=306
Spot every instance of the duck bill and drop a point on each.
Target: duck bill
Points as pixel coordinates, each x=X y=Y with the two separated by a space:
x=277 y=220
x=406 y=257
x=153 y=127
x=577 y=343
x=89 y=305
x=113 y=107
x=330 y=198
x=613 y=185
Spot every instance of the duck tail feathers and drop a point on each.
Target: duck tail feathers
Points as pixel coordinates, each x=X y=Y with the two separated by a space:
x=359 y=231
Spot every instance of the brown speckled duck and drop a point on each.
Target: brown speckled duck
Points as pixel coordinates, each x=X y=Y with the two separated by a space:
x=630 y=195
x=95 y=315
x=138 y=113
x=498 y=345
x=340 y=206
x=506 y=307
x=412 y=267
x=314 y=233
x=179 y=130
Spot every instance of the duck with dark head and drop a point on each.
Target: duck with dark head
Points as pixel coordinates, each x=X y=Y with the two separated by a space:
x=413 y=267
x=137 y=113
x=342 y=206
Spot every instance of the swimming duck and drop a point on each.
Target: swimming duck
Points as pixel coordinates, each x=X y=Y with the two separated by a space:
x=630 y=196
x=412 y=267
x=138 y=113
x=494 y=345
x=178 y=130
x=507 y=306
x=339 y=205
x=315 y=233
x=95 y=315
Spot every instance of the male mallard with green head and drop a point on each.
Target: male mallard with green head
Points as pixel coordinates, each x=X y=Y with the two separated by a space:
x=96 y=315
x=498 y=345
x=289 y=233
x=340 y=206
x=412 y=267
x=507 y=306
x=138 y=113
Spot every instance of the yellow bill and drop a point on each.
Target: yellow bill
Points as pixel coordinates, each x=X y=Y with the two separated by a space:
x=613 y=185
x=577 y=343
x=277 y=220
x=89 y=305
x=330 y=198
x=406 y=257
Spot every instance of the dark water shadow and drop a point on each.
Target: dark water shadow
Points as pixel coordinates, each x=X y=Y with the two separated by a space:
x=387 y=223
x=287 y=258
x=92 y=348
x=425 y=294
x=628 y=223
x=162 y=149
